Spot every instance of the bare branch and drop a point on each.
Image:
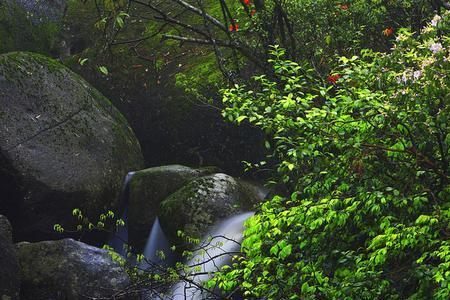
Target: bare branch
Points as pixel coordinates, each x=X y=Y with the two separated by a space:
x=202 y=13
x=199 y=41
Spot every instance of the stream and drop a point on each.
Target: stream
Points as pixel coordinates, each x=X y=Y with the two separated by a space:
x=216 y=249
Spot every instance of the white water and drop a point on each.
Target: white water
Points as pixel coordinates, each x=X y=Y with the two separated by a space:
x=213 y=258
x=216 y=249
x=157 y=241
x=120 y=239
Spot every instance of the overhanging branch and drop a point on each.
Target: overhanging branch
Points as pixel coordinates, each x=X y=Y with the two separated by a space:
x=202 y=14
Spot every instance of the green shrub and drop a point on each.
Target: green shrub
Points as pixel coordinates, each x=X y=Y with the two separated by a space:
x=365 y=154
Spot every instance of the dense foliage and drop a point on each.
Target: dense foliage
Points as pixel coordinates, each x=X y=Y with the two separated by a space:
x=365 y=154
x=239 y=32
x=318 y=30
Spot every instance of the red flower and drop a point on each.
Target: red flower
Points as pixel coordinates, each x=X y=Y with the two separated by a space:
x=252 y=12
x=247 y=2
x=344 y=6
x=233 y=27
x=388 y=31
x=333 y=78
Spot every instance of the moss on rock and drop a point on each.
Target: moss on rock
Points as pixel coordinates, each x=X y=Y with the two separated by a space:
x=148 y=188
x=67 y=146
x=68 y=269
x=201 y=203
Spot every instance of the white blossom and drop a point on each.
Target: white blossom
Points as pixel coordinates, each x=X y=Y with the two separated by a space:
x=435 y=20
x=436 y=47
x=427 y=62
x=404 y=78
x=417 y=74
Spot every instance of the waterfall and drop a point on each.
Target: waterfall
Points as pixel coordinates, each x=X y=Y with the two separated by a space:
x=217 y=245
x=157 y=241
x=215 y=251
x=119 y=240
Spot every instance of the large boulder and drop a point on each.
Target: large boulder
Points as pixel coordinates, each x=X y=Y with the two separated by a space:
x=62 y=145
x=203 y=202
x=69 y=270
x=148 y=188
x=9 y=264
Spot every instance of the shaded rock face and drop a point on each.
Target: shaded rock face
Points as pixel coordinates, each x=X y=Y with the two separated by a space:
x=62 y=146
x=148 y=188
x=68 y=270
x=203 y=202
x=9 y=264
x=5 y=228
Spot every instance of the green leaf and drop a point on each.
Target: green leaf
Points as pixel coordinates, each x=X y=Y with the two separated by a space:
x=103 y=70
x=82 y=61
x=274 y=249
x=285 y=252
x=241 y=118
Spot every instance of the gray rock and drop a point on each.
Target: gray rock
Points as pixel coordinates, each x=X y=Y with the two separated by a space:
x=9 y=264
x=62 y=145
x=5 y=228
x=69 y=270
x=148 y=188
x=202 y=203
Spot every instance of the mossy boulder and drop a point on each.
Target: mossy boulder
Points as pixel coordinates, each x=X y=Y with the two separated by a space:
x=148 y=188
x=202 y=203
x=69 y=270
x=9 y=264
x=62 y=146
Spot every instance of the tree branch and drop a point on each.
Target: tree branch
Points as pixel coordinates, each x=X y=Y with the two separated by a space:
x=202 y=14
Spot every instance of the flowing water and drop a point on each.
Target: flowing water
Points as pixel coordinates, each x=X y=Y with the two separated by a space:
x=119 y=240
x=156 y=242
x=214 y=252
x=218 y=246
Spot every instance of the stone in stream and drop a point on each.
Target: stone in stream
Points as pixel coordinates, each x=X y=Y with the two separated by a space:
x=148 y=188
x=69 y=270
x=62 y=146
x=205 y=201
x=9 y=264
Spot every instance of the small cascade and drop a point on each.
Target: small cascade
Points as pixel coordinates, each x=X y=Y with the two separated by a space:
x=120 y=238
x=217 y=244
x=216 y=250
x=157 y=241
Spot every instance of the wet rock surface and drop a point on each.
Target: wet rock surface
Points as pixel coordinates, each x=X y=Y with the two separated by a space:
x=9 y=264
x=203 y=202
x=69 y=270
